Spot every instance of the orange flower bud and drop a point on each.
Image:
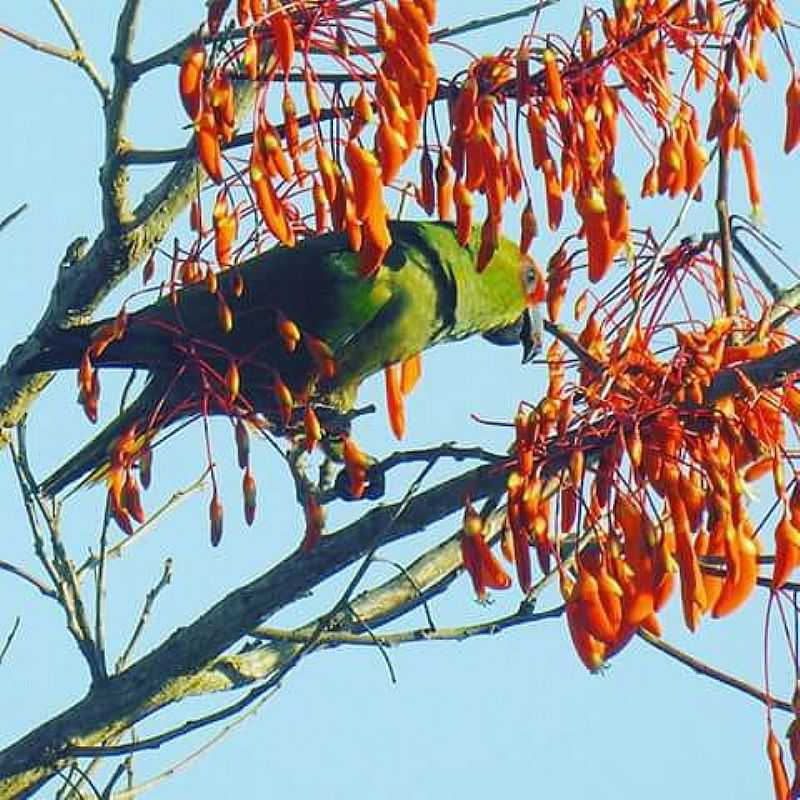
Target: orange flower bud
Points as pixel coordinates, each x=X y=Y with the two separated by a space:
x=444 y=188
x=215 y=519
x=283 y=399
x=224 y=314
x=780 y=780
x=242 y=444
x=288 y=331
x=426 y=194
x=232 y=382
x=249 y=494
x=146 y=466
x=528 y=227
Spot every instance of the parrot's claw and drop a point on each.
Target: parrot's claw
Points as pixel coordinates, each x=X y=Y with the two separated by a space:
x=374 y=485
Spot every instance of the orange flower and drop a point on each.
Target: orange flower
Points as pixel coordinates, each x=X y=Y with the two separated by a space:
x=787 y=550
x=268 y=203
x=250 y=56
x=208 y=147
x=356 y=464
x=226 y=224
x=410 y=373
x=366 y=176
x=312 y=428
x=394 y=400
x=792 y=137
x=392 y=148
x=190 y=79
x=553 y=80
x=591 y=651
x=479 y=561
x=282 y=35
x=464 y=204
x=242 y=12
x=780 y=780
x=553 y=191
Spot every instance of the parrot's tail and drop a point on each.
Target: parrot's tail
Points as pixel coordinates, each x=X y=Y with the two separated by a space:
x=92 y=459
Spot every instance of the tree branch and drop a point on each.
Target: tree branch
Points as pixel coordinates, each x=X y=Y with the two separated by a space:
x=172 y=670
x=9 y=639
x=704 y=669
x=9 y=218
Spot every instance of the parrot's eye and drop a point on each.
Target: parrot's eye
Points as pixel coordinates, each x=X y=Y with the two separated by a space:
x=529 y=274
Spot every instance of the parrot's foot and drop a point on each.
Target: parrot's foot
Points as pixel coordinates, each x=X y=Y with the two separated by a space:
x=373 y=488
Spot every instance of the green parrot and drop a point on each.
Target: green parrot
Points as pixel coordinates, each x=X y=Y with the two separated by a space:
x=298 y=327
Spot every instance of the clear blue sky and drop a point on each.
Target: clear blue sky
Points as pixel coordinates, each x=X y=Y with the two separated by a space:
x=512 y=715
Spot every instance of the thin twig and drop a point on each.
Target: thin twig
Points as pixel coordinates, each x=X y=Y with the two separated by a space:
x=572 y=344
x=410 y=578
x=81 y=59
x=100 y=588
x=380 y=539
x=377 y=642
x=115 y=776
x=646 y=280
x=60 y=569
x=115 y=551
x=730 y=292
x=701 y=668
x=8 y=219
x=522 y=616
x=491 y=21
x=38 y=584
x=9 y=639
x=133 y=791
x=149 y=601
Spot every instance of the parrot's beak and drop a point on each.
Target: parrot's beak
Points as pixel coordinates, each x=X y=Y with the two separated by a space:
x=530 y=335
x=526 y=329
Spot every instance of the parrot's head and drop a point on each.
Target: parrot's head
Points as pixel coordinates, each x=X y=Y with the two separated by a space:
x=520 y=288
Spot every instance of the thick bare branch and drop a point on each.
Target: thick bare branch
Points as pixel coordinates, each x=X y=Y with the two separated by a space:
x=170 y=672
x=113 y=176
